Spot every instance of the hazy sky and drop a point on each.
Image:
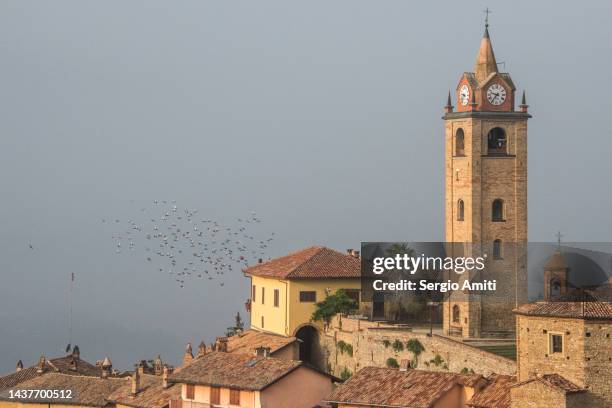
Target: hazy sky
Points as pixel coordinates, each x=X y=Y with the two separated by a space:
x=323 y=116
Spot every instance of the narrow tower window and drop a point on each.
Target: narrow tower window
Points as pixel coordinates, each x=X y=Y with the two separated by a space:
x=497 y=210
x=497 y=143
x=460 y=210
x=497 y=249
x=460 y=143
x=456 y=314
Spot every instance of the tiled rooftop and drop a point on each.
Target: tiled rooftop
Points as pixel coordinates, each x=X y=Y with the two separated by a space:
x=578 y=310
x=310 y=263
x=249 y=340
x=86 y=391
x=396 y=388
x=150 y=395
x=241 y=371
x=554 y=381
x=65 y=365
x=496 y=394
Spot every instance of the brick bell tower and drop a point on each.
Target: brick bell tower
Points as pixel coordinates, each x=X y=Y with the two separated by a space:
x=486 y=195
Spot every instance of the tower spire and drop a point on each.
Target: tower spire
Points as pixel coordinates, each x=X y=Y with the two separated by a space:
x=485 y=61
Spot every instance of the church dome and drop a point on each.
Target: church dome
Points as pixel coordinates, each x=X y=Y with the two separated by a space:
x=555 y=262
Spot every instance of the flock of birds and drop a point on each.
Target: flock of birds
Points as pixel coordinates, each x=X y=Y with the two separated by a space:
x=178 y=242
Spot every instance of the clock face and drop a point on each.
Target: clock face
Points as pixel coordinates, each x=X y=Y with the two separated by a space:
x=496 y=94
x=464 y=95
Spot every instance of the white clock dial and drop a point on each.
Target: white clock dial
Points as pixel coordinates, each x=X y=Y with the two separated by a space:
x=464 y=95
x=496 y=94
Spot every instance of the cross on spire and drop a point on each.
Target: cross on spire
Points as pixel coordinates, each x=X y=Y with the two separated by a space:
x=487 y=12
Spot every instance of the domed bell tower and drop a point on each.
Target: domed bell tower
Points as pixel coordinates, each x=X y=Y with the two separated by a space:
x=486 y=194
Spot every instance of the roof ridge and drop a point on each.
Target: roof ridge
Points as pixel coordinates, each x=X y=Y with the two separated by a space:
x=296 y=252
x=318 y=253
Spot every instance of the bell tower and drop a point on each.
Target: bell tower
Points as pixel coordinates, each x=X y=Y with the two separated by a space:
x=486 y=193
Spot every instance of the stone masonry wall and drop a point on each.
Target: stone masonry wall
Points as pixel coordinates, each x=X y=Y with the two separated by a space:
x=373 y=343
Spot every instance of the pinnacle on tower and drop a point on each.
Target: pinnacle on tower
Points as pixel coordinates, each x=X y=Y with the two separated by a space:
x=523 y=106
x=485 y=61
x=449 y=106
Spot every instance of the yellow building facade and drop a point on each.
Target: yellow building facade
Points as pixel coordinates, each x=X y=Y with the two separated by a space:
x=285 y=290
x=284 y=306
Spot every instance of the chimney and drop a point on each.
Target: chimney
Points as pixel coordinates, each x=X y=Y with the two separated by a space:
x=404 y=365
x=222 y=344
x=74 y=365
x=107 y=367
x=188 y=354
x=349 y=251
x=262 y=351
x=166 y=372
x=76 y=352
x=201 y=349
x=42 y=361
x=135 y=381
x=355 y=254
x=19 y=366
x=260 y=260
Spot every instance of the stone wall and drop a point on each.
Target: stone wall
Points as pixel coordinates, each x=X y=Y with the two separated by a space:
x=586 y=359
x=373 y=343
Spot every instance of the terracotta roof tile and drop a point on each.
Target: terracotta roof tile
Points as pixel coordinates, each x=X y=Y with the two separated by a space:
x=242 y=371
x=310 y=263
x=494 y=395
x=391 y=387
x=151 y=393
x=86 y=391
x=249 y=340
x=554 y=381
x=58 y=365
x=578 y=310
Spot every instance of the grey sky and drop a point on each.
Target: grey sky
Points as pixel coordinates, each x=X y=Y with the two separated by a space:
x=323 y=116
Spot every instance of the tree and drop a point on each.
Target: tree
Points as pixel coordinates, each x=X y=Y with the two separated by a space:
x=416 y=348
x=392 y=363
x=237 y=328
x=338 y=302
x=397 y=301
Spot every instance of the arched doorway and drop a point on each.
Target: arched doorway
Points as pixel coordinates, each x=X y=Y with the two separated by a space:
x=309 y=345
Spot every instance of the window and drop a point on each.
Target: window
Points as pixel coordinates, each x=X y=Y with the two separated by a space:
x=460 y=210
x=254 y=292
x=459 y=143
x=263 y=295
x=234 y=397
x=556 y=343
x=190 y=391
x=215 y=395
x=276 y=297
x=497 y=249
x=456 y=314
x=555 y=288
x=308 y=296
x=496 y=142
x=497 y=210
x=262 y=322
